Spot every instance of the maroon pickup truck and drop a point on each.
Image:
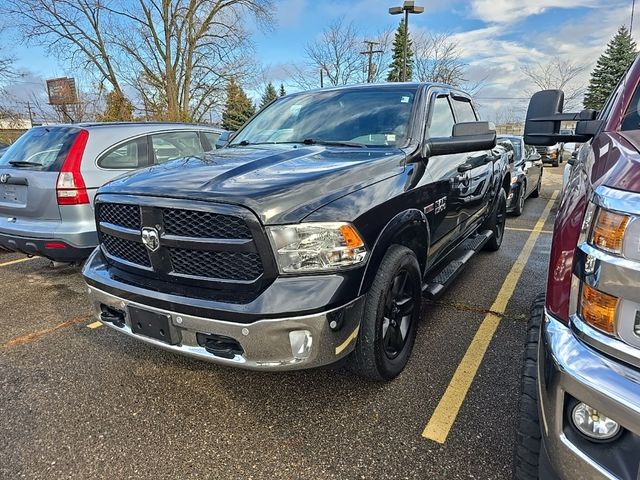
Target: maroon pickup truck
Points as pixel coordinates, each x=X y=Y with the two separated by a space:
x=580 y=399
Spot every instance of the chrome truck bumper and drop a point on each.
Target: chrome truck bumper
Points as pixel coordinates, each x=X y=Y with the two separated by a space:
x=570 y=371
x=289 y=343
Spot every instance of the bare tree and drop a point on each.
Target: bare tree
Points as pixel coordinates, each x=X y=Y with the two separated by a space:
x=177 y=54
x=437 y=58
x=558 y=74
x=337 y=54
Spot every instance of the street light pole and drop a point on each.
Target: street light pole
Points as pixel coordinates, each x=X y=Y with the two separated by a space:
x=407 y=7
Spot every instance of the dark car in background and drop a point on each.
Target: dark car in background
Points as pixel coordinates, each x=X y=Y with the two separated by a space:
x=526 y=168
x=49 y=177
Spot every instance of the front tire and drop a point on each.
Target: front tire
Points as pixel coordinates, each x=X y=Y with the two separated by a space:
x=496 y=222
x=391 y=314
x=526 y=455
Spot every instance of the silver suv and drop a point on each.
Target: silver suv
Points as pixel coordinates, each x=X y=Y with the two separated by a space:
x=49 y=177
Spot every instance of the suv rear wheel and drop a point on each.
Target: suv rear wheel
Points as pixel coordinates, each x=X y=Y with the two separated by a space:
x=526 y=455
x=391 y=314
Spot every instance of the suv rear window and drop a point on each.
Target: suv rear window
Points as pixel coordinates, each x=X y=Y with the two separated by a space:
x=44 y=148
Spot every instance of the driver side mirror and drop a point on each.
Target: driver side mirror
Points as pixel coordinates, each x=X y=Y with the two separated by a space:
x=466 y=137
x=545 y=117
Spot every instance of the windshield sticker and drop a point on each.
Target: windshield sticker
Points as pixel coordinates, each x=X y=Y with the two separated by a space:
x=391 y=137
x=405 y=99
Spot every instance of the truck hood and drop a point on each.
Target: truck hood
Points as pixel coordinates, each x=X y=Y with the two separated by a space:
x=280 y=183
x=618 y=160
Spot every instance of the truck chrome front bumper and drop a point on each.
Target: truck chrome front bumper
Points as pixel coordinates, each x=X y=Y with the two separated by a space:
x=271 y=344
x=569 y=370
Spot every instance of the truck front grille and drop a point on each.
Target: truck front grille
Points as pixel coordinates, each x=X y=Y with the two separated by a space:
x=203 y=224
x=224 y=265
x=132 y=252
x=211 y=245
x=121 y=214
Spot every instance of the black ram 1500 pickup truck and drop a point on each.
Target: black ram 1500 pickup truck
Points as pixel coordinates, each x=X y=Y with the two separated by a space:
x=311 y=238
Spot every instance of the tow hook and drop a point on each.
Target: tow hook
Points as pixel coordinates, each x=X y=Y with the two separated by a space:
x=111 y=315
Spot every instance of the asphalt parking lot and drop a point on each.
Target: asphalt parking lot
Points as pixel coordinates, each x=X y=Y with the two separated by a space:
x=81 y=401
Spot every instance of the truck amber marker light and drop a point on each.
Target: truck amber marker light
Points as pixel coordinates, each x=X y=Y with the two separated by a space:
x=599 y=309
x=608 y=231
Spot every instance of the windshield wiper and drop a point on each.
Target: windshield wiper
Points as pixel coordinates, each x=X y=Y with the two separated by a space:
x=335 y=143
x=22 y=163
x=245 y=143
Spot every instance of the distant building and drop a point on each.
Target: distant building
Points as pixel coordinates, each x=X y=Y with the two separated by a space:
x=510 y=129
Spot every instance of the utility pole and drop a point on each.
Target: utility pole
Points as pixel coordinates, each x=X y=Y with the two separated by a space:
x=321 y=78
x=370 y=51
x=30 y=113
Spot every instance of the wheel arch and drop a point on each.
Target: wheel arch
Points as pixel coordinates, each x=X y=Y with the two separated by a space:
x=408 y=228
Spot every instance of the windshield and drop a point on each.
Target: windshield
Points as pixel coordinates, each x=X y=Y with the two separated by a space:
x=40 y=147
x=376 y=117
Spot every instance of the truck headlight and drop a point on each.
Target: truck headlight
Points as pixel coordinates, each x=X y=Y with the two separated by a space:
x=316 y=247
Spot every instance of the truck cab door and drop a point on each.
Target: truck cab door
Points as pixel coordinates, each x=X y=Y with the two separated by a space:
x=479 y=171
x=443 y=207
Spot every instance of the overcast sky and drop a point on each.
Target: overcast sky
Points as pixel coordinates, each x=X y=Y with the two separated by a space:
x=497 y=37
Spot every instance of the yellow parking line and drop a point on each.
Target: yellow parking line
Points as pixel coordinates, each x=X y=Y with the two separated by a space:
x=447 y=410
x=526 y=230
x=13 y=262
x=32 y=337
x=94 y=325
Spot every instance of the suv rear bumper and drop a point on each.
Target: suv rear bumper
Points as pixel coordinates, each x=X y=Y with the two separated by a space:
x=277 y=341
x=32 y=236
x=53 y=248
x=569 y=370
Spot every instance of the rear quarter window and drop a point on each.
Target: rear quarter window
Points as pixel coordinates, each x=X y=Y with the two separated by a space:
x=126 y=156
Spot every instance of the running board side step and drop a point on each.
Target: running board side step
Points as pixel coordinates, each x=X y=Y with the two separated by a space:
x=434 y=287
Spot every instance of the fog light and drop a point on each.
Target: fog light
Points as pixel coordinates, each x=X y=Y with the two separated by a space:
x=300 y=341
x=594 y=424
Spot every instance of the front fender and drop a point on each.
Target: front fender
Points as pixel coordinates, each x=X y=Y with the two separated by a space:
x=409 y=228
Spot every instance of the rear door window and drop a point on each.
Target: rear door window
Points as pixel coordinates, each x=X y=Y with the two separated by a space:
x=212 y=138
x=464 y=110
x=170 y=145
x=442 y=118
x=126 y=156
x=41 y=148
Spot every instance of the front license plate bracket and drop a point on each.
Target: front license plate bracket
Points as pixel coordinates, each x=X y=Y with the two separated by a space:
x=154 y=325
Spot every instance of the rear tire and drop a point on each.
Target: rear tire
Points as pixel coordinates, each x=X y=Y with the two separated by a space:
x=391 y=313
x=526 y=455
x=496 y=222
x=517 y=211
x=536 y=192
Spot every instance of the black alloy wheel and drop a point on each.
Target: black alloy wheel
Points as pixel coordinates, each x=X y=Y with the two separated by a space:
x=390 y=317
x=398 y=310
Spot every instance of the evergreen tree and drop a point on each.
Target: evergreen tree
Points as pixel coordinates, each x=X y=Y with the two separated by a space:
x=118 y=108
x=395 y=69
x=611 y=66
x=268 y=96
x=282 y=92
x=238 y=108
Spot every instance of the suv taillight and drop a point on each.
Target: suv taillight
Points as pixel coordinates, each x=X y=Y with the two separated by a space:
x=70 y=187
